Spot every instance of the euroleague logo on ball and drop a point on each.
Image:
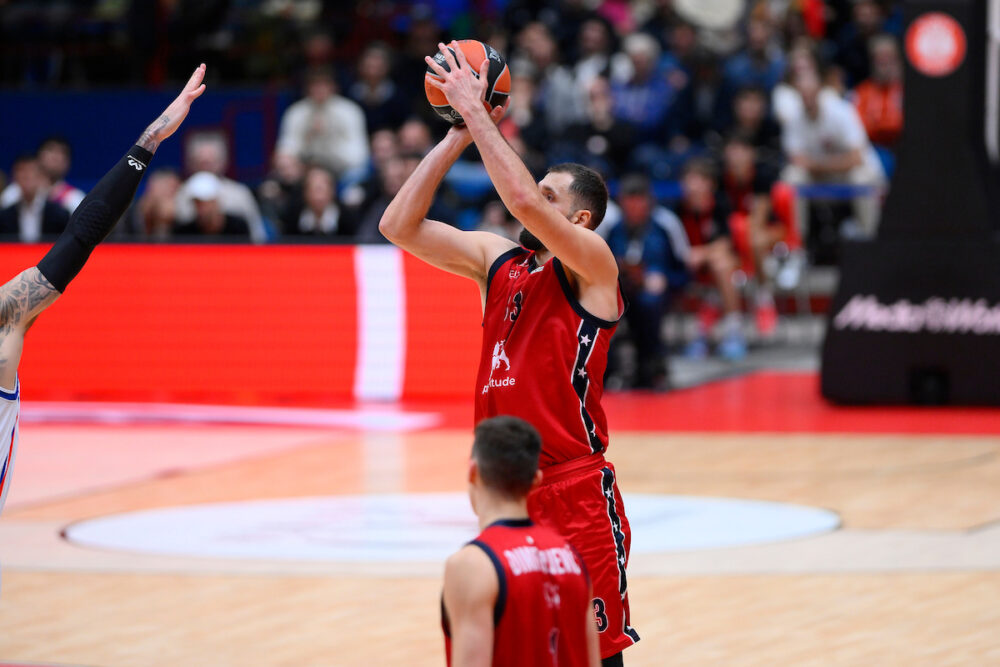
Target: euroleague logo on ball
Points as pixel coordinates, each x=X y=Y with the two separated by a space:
x=935 y=44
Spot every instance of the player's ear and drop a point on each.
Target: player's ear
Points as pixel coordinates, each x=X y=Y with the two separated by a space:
x=582 y=217
x=473 y=471
x=538 y=478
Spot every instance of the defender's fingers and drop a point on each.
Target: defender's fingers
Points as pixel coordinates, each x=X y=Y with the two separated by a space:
x=196 y=77
x=435 y=67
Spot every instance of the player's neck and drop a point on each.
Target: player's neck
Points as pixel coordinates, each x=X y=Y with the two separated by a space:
x=491 y=509
x=542 y=256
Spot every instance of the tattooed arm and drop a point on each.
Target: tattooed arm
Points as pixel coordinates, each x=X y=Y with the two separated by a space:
x=21 y=301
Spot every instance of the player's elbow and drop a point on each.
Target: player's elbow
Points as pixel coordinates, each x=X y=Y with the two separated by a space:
x=388 y=226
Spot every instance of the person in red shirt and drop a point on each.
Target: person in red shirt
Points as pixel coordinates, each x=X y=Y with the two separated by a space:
x=518 y=594
x=549 y=310
x=879 y=99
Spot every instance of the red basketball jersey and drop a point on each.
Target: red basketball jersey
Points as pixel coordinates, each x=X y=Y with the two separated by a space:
x=543 y=599
x=543 y=357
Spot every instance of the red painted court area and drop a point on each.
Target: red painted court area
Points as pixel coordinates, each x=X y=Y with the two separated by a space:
x=784 y=403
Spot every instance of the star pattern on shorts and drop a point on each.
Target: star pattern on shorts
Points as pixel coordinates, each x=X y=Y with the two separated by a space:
x=581 y=372
x=584 y=339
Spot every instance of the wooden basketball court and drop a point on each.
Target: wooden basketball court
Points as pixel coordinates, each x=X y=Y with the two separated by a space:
x=912 y=576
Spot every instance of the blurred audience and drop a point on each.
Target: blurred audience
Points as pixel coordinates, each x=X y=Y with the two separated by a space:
x=210 y=153
x=324 y=128
x=54 y=156
x=33 y=216
x=320 y=213
x=375 y=91
x=652 y=249
x=210 y=218
x=704 y=211
x=879 y=98
x=825 y=142
x=155 y=212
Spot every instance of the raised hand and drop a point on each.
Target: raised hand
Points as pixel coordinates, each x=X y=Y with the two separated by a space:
x=175 y=113
x=464 y=89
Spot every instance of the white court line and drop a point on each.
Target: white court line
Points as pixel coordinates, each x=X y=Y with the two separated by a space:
x=369 y=419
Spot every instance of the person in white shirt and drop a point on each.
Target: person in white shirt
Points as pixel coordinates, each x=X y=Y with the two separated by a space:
x=325 y=128
x=825 y=142
x=32 y=215
x=210 y=153
x=54 y=156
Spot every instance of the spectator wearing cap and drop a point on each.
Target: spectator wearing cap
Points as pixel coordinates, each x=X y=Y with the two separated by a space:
x=650 y=245
x=210 y=153
x=32 y=215
x=704 y=212
x=325 y=128
x=205 y=189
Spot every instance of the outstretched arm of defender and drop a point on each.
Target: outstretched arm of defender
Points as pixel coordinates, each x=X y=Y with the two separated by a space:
x=27 y=295
x=582 y=250
x=404 y=222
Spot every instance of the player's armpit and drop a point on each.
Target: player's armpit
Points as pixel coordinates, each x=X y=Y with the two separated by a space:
x=470 y=593
x=467 y=254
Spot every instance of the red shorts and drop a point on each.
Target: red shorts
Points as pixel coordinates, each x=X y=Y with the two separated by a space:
x=580 y=500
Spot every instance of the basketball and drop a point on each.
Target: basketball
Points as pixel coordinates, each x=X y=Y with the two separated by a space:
x=498 y=77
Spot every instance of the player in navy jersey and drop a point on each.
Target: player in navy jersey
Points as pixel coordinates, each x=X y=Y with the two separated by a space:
x=518 y=594
x=24 y=297
x=550 y=306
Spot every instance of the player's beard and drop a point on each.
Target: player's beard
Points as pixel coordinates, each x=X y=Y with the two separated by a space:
x=530 y=241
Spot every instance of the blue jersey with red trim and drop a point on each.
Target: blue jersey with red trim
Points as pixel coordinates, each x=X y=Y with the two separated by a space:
x=543 y=357
x=543 y=599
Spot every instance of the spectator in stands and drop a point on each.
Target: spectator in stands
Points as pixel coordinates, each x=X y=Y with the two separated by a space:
x=761 y=64
x=645 y=98
x=602 y=141
x=209 y=152
x=868 y=20
x=154 y=214
x=595 y=45
x=749 y=184
x=325 y=128
x=879 y=99
x=376 y=93
x=390 y=179
x=320 y=213
x=751 y=121
x=704 y=211
x=651 y=248
x=54 y=155
x=280 y=194
x=825 y=142
x=33 y=215
x=415 y=137
x=210 y=219
x=557 y=98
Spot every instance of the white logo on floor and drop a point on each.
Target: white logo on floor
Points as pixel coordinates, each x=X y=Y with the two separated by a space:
x=420 y=527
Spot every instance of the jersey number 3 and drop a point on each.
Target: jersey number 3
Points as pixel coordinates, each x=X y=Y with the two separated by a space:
x=514 y=307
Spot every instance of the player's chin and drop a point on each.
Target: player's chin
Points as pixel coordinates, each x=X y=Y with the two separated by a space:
x=530 y=241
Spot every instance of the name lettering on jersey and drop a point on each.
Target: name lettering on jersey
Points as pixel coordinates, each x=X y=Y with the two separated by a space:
x=557 y=560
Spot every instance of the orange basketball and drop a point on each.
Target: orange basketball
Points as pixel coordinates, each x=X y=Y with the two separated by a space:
x=475 y=52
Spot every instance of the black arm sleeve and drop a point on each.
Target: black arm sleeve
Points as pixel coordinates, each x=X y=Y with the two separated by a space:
x=94 y=218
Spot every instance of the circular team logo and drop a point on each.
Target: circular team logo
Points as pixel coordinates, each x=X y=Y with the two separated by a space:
x=935 y=44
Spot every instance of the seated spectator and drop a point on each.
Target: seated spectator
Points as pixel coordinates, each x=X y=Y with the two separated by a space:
x=376 y=93
x=54 y=155
x=496 y=219
x=761 y=64
x=868 y=20
x=704 y=211
x=645 y=98
x=154 y=213
x=415 y=137
x=210 y=219
x=390 y=180
x=879 y=99
x=325 y=128
x=651 y=247
x=602 y=141
x=825 y=142
x=280 y=193
x=209 y=152
x=320 y=214
x=33 y=215
x=751 y=121
x=758 y=229
x=557 y=99
x=594 y=44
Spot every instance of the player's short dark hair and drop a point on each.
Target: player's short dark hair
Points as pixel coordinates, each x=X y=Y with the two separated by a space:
x=506 y=451
x=588 y=187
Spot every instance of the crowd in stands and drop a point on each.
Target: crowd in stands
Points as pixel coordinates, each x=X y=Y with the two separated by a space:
x=710 y=136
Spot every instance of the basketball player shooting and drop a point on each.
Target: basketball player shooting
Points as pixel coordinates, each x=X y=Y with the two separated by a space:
x=549 y=311
x=24 y=297
x=518 y=594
